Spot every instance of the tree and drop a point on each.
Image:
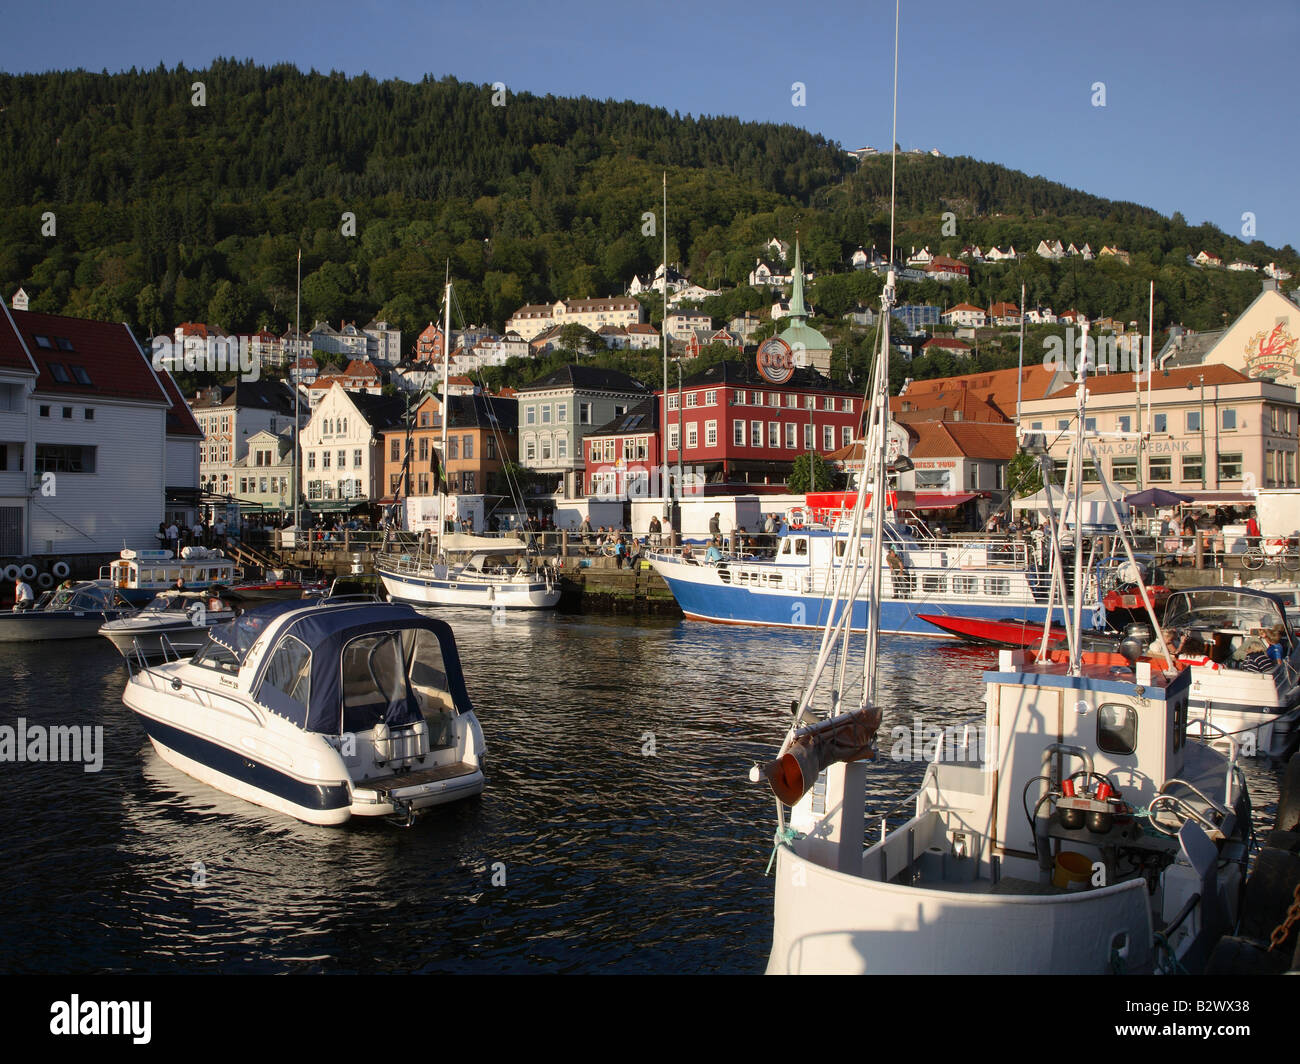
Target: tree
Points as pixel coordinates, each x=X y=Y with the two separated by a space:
x=824 y=476
x=1024 y=475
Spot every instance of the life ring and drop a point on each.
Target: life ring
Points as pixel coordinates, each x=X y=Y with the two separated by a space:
x=12 y=572
x=44 y=581
x=61 y=569
x=29 y=571
x=796 y=517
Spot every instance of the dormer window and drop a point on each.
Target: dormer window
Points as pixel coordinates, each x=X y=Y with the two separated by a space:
x=43 y=341
x=60 y=373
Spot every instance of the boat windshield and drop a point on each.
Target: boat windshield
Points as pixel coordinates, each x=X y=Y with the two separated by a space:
x=1222 y=610
x=85 y=598
x=162 y=603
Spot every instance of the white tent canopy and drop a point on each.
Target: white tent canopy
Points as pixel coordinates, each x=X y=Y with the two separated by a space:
x=1097 y=511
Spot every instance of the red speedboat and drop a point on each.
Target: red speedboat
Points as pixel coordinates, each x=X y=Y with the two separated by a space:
x=1006 y=633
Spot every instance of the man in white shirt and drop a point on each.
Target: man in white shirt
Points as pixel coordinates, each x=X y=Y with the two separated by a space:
x=24 y=597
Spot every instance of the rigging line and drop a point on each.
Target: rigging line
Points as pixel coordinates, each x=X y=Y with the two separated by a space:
x=893 y=159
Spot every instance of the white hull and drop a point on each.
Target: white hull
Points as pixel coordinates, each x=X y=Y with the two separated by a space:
x=483 y=592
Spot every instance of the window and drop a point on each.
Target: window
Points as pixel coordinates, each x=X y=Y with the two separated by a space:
x=59 y=373
x=325 y=459
x=933 y=583
x=738 y=433
x=43 y=341
x=1117 y=729
x=1229 y=418
x=1161 y=423
x=828 y=438
x=453 y=448
x=997 y=585
x=467 y=481
x=756 y=434
x=1193 y=467
x=530 y=415
x=711 y=398
x=57 y=458
x=343 y=459
x=1124 y=469
x=584 y=413
x=1229 y=467
x=1037 y=425
x=490 y=447
x=1160 y=470
x=965 y=585
x=422 y=484
x=1090 y=424
x=561 y=412
x=672 y=401
x=1193 y=421
x=424 y=419
x=530 y=450
x=394 y=450
x=692 y=440
x=710 y=434
x=561 y=451
x=791 y=435
x=1090 y=472
x=807 y=437
x=546 y=414
x=1062 y=424
x=692 y=399
x=356 y=458
x=672 y=438
x=89 y=413
x=774 y=434
x=311 y=459
x=261 y=485
x=67 y=413
x=424 y=448
x=792 y=401
x=1125 y=423
x=45 y=411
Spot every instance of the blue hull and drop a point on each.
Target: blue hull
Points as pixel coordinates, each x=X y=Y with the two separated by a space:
x=739 y=605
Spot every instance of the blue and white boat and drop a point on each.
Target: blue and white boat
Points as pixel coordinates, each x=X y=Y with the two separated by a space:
x=323 y=711
x=139 y=575
x=986 y=580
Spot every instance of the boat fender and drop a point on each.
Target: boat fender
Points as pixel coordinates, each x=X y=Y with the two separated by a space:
x=61 y=569
x=1288 y=801
x=45 y=581
x=1243 y=956
x=12 y=572
x=1270 y=890
x=28 y=570
x=383 y=743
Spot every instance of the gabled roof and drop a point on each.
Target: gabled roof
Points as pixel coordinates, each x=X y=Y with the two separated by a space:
x=589 y=378
x=997 y=387
x=359 y=368
x=105 y=353
x=380 y=411
x=970 y=439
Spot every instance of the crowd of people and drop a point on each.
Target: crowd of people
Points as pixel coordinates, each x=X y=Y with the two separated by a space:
x=1259 y=652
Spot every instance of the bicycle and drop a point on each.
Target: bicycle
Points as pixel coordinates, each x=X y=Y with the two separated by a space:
x=1276 y=550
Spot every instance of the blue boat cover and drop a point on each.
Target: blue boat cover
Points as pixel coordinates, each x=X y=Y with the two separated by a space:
x=327 y=632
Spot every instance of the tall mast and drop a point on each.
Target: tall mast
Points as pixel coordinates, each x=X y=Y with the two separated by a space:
x=1081 y=396
x=663 y=328
x=446 y=402
x=297 y=384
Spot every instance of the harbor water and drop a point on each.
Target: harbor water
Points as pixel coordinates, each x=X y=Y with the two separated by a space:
x=619 y=831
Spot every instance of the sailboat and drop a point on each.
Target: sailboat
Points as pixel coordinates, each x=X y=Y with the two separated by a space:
x=1092 y=833
x=499 y=573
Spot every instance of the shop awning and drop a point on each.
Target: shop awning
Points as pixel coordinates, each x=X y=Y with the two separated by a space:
x=934 y=500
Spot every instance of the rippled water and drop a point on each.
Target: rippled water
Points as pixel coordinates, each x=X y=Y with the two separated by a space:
x=613 y=860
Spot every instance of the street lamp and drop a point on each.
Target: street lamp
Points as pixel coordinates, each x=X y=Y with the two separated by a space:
x=1191 y=387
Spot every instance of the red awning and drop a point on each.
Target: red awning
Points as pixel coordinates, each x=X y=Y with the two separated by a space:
x=937 y=500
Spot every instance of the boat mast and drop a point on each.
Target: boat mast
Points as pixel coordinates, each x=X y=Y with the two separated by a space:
x=297 y=384
x=1081 y=400
x=878 y=434
x=446 y=405
x=663 y=328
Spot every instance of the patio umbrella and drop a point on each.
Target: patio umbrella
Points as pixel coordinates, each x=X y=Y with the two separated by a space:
x=1156 y=497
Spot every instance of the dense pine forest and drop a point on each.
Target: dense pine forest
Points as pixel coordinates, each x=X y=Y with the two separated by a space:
x=163 y=196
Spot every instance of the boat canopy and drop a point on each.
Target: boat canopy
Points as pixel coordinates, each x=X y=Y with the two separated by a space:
x=1233 y=608
x=459 y=541
x=87 y=597
x=333 y=671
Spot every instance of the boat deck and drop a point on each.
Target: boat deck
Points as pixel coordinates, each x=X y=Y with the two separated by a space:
x=399 y=781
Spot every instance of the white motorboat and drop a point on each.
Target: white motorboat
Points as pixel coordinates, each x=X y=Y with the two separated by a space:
x=140 y=574
x=320 y=710
x=1260 y=708
x=1091 y=834
x=183 y=617
x=75 y=612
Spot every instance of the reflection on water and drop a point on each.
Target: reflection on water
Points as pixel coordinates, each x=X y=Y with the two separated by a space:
x=583 y=853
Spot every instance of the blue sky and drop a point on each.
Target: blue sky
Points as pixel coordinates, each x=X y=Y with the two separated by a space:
x=1200 y=113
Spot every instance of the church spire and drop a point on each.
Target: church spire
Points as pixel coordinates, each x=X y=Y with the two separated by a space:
x=798 y=311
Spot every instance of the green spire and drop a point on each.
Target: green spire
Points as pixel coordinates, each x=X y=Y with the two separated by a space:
x=797 y=309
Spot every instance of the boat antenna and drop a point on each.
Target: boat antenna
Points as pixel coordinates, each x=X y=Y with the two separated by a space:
x=297 y=427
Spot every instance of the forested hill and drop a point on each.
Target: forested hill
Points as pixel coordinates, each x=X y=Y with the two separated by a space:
x=169 y=195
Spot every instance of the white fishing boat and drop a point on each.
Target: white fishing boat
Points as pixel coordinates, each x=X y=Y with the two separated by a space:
x=140 y=574
x=1093 y=833
x=320 y=710
x=183 y=617
x=497 y=573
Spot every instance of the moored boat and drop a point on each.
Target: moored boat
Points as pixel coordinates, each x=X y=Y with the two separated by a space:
x=139 y=575
x=75 y=612
x=174 y=623
x=320 y=710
